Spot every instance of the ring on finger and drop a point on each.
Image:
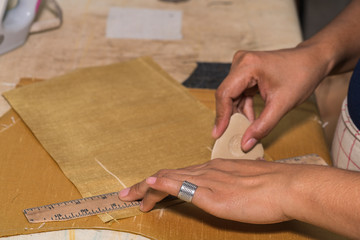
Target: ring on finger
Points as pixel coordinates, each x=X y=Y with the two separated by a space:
x=187 y=191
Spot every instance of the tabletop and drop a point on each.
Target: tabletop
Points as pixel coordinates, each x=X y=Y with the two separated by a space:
x=211 y=32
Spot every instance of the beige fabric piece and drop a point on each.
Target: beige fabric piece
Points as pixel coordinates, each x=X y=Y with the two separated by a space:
x=228 y=146
x=110 y=127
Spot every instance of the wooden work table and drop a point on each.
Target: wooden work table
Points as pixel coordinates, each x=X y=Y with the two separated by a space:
x=212 y=32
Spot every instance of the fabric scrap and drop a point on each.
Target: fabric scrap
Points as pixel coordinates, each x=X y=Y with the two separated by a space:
x=208 y=75
x=137 y=23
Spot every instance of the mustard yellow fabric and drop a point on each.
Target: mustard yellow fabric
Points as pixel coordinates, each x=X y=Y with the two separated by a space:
x=111 y=126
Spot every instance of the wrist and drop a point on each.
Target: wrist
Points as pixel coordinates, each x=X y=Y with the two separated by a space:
x=323 y=55
x=303 y=195
x=326 y=197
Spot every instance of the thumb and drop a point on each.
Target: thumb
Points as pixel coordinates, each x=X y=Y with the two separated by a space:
x=223 y=114
x=262 y=126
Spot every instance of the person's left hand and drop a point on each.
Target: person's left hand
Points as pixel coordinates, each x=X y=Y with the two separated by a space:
x=242 y=190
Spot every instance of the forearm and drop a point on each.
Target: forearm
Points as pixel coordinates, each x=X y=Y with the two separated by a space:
x=327 y=197
x=338 y=44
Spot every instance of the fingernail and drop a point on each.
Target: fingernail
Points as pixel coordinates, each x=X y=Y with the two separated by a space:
x=249 y=144
x=151 y=180
x=124 y=192
x=141 y=206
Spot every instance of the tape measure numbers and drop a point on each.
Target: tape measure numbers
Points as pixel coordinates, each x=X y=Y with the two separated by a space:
x=78 y=208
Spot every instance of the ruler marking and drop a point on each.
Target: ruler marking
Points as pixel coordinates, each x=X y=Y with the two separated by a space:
x=77 y=208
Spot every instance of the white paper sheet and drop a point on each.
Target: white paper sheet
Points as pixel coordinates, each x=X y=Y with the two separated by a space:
x=135 y=23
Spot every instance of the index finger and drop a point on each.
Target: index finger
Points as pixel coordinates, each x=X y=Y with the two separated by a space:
x=134 y=192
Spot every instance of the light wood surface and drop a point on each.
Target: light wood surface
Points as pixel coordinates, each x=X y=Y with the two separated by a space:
x=212 y=31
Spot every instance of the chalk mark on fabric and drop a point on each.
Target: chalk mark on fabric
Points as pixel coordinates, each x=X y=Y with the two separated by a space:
x=161 y=213
x=15 y=197
x=7 y=126
x=41 y=225
x=118 y=179
x=316 y=119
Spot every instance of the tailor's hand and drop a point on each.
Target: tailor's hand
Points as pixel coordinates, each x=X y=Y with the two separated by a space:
x=285 y=78
x=255 y=191
x=241 y=190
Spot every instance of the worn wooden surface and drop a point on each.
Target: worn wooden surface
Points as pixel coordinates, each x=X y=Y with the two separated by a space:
x=212 y=31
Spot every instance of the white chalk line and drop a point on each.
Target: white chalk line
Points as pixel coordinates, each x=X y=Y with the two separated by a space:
x=7 y=126
x=118 y=179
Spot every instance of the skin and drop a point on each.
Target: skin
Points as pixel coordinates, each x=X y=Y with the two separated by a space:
x=262 y=192
x=285 y=78
x=265 y=192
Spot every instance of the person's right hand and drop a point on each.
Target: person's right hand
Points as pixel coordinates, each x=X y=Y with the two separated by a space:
x=285 y=78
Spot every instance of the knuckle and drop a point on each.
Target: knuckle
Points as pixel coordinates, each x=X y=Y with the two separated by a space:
x=136 y=189
x=160 y=181
x=219 y=93
x=251 y=57
x=238 y=55
x=246 y=58
x=260 y=129
x=166 y=175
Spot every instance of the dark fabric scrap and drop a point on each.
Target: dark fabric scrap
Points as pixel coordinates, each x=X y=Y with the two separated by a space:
x=208 y=75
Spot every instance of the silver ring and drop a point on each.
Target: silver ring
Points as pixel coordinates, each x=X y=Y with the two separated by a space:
x=187 y=191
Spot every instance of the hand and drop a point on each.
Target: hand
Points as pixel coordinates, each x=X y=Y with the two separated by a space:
x=256 y=191
x=285 y=78
x=242 y=190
